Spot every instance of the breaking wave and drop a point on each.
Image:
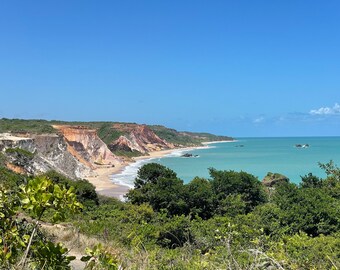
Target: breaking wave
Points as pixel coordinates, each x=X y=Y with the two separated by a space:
x=129 y=173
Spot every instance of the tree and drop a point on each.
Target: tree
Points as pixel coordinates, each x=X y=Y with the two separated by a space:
x=168 y=194
x=200 y=198
x=147 y=176
x=311 y=210
x=311 y=181
x=150 y=173
x=225 y=183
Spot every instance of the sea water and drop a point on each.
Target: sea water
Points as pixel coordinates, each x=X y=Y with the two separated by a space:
x=257 y=156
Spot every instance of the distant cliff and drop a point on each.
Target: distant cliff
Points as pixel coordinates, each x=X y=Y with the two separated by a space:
x=77 y=149
x=138 y=138
x=184 y=138
x=85 y=144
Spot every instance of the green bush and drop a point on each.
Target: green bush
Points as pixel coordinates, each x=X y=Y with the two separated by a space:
x=85 y=191
x=11 y=180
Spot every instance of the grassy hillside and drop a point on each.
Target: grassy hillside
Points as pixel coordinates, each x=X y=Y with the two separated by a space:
x=23 y=126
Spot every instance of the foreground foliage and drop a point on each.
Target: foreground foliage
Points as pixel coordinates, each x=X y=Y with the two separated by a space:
x=18 y=239
x=22 y=244
x=229 y=221
x=226 y=222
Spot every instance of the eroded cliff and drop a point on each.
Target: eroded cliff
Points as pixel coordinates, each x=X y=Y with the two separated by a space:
x=85 y=144
x=138 y=138
x=41 y=153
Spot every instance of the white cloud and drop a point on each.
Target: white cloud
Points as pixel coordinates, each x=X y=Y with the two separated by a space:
x=326 y=110
x=258 y=120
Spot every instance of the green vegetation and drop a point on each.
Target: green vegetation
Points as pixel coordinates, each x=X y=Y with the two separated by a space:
x=105 y=130
x=185 y=138
x=8 y=179
x=2 y=159
x=24 y=126
x=128 y=154
x=19 y=152
x=160 y=187
x=22 y=247
x=228 y=221
x=85 y=191
x=107 y=133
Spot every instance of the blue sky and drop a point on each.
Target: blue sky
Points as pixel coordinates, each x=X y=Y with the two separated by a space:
x=239 y=68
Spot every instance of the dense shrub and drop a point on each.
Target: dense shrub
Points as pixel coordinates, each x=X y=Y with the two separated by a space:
x=225 y=183
x=85 y=191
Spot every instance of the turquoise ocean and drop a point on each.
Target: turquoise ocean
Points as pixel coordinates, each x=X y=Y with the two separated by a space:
x=257 y=156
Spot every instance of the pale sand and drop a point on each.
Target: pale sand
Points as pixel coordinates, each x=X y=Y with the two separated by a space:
x=104 y=184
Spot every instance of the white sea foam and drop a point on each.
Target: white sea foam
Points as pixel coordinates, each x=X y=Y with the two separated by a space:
x=128 y=175
x=214 y=142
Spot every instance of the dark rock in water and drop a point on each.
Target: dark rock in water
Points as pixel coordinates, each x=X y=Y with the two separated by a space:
x=272 y=179
x=302 y=145
x=239 y=145
x=188 y=155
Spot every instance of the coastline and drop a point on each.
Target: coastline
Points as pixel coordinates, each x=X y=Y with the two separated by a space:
x=104 y=184
x=213 y=142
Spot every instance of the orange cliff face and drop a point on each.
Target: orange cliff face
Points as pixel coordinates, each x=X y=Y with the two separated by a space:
x=139 y=138
x=87 y=147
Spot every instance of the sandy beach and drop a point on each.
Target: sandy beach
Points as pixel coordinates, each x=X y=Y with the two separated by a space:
x=104 y=184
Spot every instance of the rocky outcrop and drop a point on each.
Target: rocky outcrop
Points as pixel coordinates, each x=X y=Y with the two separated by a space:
x=53 y=154
x=124 y=144
x=75 y=152
x=87 y=147
x=8 y=140
x=272 y=179
x=139 y=138
x=41 y=153
x=189 y=155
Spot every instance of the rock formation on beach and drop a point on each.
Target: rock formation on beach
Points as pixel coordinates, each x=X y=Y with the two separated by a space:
x=188 y=155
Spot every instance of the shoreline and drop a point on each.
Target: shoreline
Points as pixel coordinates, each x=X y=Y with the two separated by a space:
x=104 y=184
x=213 y=142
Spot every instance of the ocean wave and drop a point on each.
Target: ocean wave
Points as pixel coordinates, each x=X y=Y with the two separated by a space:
x=129 y=173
